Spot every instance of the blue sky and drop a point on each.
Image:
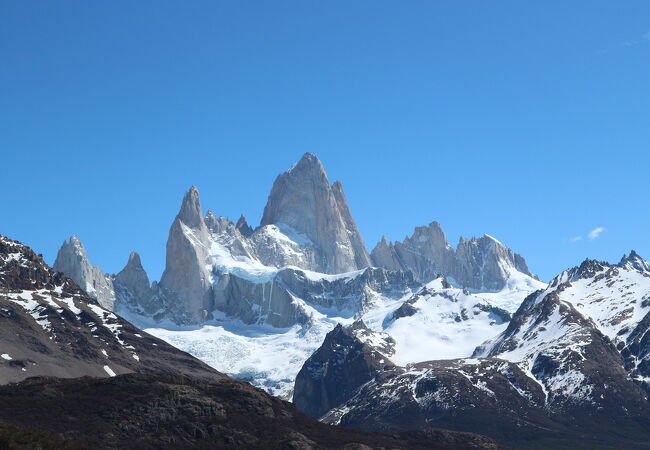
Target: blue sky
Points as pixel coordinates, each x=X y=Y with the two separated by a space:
x=525 y=120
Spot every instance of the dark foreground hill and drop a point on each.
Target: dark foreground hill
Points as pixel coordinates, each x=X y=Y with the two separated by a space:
x=148 y=411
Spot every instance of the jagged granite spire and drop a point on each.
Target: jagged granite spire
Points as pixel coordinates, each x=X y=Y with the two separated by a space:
x=303 y=201
x=73 y=261
x=190 y=213
x=133 y=281
x=186 y=277
x=243 y=227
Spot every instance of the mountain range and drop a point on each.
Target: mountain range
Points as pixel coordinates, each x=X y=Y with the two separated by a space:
x=410 y=335
x=75 y=375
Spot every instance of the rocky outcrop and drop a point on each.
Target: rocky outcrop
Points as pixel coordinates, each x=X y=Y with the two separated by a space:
x=348 y=358
x=73 y=261
x=303 y=201
x=478 y=263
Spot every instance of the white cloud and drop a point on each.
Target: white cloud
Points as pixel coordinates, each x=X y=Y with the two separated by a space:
x=593 y=234
x=576 y=239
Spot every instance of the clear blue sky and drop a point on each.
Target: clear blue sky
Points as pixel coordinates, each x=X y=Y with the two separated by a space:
x=529 y=121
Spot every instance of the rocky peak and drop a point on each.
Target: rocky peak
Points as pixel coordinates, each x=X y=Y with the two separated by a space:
x=302 y=199
x=348 y=358
x=73 y=261
x=309 y=162
x=589 y=268
x=219 y=224
x=634 y=261
x=134 y=262
x=190 y=212
x=187 y=276
x=73 y=247
x=133 y=276
x=477 y=263
x=243 y=226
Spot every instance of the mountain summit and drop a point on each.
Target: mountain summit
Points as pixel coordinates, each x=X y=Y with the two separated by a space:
x=302 y=201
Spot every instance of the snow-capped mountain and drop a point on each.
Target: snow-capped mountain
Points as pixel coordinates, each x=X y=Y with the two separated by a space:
x=255 y=303
x=593 y=302
x=572 y=361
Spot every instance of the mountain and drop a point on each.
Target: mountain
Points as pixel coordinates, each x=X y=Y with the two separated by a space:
x=256 y=302
x=634 y=261
x=302 y=201
x=187 y=280
x=571 y=366
x=73 y=261
x=129 y=287
x=51 y=327
x=595 y=303
x=479 y=263
x=89 y=379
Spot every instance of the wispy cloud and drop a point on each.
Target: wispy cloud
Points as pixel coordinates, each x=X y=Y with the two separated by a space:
x=593 y=234
x=644 y=38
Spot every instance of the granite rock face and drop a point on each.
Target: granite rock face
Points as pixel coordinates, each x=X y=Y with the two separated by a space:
x=186 y=281
x=73 y=261
x=479 y=263
x=303 y=201
x=278 y=301
x=132 y=287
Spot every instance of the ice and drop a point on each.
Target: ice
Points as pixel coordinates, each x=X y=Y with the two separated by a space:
x=270 y=358
x=265 y=356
